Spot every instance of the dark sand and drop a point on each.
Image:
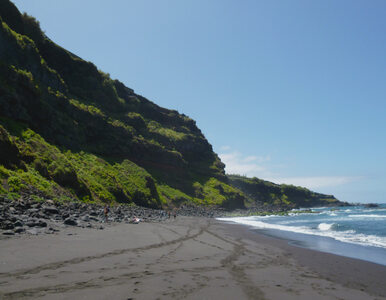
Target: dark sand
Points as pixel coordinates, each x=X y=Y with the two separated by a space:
x=186 y=258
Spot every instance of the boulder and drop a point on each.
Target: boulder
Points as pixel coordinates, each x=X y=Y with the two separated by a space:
x=18 y=223
x=50 y=210
x=70 y=221
x=85 y=218
x=8 y=225
x=8 y=232
x=19 y=230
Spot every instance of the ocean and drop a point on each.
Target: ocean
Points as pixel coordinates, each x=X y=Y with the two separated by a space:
x=353 y=231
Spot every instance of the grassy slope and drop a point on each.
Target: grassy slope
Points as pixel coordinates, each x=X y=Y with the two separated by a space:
x=70 y=132
x=80 y=135
x=257 y=190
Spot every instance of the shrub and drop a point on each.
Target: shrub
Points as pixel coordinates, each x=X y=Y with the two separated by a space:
x=4 y=173
x=15 y=184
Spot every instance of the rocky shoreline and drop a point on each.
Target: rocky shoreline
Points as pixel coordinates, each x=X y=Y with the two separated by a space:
x=26 y=216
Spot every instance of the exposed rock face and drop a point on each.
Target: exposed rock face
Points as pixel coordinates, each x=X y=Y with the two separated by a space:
x=69 y=131
x=74 y=106
x=285 y=196
x=9 y=153
x=371 y=205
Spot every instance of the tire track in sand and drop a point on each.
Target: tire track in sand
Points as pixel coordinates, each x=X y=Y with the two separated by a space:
x=77 y=260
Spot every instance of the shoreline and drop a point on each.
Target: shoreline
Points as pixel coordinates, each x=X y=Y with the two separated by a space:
x=330 y=245
x=348 y=271
x=189 y=257
x=322 y=244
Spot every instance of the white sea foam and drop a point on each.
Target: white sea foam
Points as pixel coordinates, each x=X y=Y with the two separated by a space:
x=368 y=216
x=348 y=236
x=373 y=210
x=325 y=226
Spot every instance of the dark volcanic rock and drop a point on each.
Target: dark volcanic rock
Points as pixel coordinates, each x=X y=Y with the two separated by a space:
x=50 y=210
x=8 y=232
x=8 y=225
x=18 y=223
x=371 y=205
x=85 y=218
x=42 y=223
x=19 y=229
x=26 y=216
x=36 y=223
x=70 y=221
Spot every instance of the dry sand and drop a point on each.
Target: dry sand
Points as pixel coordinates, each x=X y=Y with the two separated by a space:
x=186 y=258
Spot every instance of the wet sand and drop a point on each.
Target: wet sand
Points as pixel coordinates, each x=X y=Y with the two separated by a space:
x=186 y=258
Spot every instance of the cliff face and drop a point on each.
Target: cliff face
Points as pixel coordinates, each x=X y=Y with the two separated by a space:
x=261 y=191
x=67 y=119
x=70 y=132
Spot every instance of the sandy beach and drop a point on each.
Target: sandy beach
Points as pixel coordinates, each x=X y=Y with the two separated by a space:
x=186 y=258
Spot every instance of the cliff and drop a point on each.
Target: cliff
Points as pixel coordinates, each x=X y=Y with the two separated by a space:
x=258 y=191
x=69 y=132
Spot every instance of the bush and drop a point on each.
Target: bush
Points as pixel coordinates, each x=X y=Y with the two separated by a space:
x=15 y=184
x=4 y=173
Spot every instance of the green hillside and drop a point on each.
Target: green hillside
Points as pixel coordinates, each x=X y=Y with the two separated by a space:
x=75 y=133
x=261 y=191
x=69 y=132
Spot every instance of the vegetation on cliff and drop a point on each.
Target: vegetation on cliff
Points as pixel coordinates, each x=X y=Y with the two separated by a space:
x=75 y=133
x=257 y=191
x=70 y=132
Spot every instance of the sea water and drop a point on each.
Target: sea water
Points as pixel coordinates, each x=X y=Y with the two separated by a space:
x=353 y=231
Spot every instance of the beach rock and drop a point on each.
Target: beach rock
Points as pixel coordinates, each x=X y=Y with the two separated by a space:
x=18 y=223
x=70 y=221
x=32 y=211
x=19 y=230
x=7 y=225
x=36 y=223
x=51 y=210
x=42 y=223
x=85 y=218
x=8 y=232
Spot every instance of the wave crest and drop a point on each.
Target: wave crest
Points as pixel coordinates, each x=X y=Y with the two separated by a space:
x=325 y=226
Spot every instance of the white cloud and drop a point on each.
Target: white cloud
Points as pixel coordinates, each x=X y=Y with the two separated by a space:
x=315 y=181
x=257 y=166
x=236 y=163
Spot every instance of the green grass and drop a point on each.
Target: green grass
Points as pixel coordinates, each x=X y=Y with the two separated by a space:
x=87 y=108
x=62 y=174
x=172 y=196
x=95 y=140
x=168 y=133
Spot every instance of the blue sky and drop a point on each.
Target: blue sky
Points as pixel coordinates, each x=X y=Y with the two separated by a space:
x=288 y=91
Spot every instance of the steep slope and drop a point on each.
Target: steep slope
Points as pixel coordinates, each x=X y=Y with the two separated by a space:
x=70 y=132
x=259 y=191
x=91 y=137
